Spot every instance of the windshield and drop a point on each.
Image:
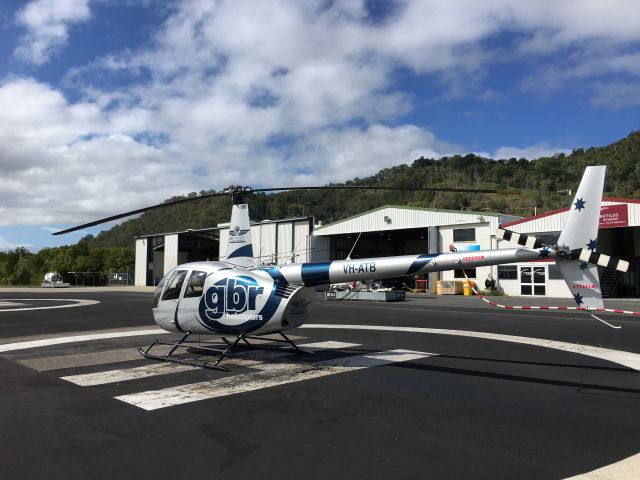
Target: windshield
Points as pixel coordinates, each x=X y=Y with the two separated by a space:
x=174 y=285
x=158 y=292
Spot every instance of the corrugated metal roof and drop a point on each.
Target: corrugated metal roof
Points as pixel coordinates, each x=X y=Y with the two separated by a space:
x=554 y=220
x=223 y=226
x=398 y=217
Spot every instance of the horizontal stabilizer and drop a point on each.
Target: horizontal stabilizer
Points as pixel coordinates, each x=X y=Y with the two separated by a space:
x=519 y=238
x=602 y=260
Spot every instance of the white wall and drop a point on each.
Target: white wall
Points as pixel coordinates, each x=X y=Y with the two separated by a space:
x=483 y=238
x=554 y=288
x=301 y=238
x=141 y=262
x=170 y=252
x=285 y=248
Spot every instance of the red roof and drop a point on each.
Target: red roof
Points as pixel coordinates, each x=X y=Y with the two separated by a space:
x=553 y=212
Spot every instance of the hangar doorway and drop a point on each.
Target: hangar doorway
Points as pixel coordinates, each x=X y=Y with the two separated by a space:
x=379 y=244
x=413 y=241
x=177 y=248
x=198 y=246
x=621 y=242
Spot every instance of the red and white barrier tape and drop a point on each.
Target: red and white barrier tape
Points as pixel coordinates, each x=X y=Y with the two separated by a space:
x=543 y=307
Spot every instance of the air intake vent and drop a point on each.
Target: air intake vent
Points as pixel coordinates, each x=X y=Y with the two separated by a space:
x=285 y=291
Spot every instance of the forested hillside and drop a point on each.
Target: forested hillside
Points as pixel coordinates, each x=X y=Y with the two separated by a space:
x=22 y=267
x=543 y=183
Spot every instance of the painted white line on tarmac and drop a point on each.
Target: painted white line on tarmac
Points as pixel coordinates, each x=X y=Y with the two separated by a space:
x=113 y=376
x=621 y=357
x=76 y=302
x=105 y=357
x=254 y=361
x=46 y=342
x=273 y=375
x=330 y=345
x=11 y=304
x=626 y=469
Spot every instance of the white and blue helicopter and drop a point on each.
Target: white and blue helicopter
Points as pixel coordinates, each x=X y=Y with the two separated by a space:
x=237 y=298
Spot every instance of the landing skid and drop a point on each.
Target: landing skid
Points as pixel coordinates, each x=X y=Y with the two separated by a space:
x=195 y=346
x=245 y=338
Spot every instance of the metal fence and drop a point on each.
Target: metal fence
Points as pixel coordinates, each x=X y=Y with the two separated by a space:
x=97 y=279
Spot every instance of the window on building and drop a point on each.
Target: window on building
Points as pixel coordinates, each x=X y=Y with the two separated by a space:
x=507 y=272
x=548 y=238
x=471 y=273
x=554 y=272
x=464 y=234
x=533 y=280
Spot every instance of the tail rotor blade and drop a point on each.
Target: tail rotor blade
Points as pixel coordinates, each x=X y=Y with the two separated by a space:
x=519 y=238
x=603 y=260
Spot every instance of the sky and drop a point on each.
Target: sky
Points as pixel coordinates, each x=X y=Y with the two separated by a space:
x=111 y=106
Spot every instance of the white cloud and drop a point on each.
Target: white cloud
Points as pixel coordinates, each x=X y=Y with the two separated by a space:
x=530 y=153
x=6 y=245
x=336 y=155
x=615 y=95
x=47 y=23
x=61 y=160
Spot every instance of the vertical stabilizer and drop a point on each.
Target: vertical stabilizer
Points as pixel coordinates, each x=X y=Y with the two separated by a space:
x=239 y=246
x=581 y=232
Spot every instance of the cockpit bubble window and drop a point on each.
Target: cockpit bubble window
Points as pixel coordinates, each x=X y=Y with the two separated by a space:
x=158 y=292
x=174 y=285
x=195 y=285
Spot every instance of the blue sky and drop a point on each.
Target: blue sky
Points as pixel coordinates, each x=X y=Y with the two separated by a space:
x=111 y=106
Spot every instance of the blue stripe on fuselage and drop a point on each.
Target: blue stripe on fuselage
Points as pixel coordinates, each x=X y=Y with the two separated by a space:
x=315 y=273
x=276 y=274
x=421 y=261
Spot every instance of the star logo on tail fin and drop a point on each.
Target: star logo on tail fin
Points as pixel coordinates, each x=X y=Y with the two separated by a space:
x=579 y=204
x=584 y=266
x=592 y=244
x=578 y=298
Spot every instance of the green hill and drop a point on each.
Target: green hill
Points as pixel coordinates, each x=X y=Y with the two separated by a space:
x=543 y=183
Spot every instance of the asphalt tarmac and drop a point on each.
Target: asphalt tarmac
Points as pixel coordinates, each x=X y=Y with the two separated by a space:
x=435 y=387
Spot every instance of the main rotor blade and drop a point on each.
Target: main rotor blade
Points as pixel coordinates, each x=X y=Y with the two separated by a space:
x=135 y=212
x=503 y=191
x=246 y=190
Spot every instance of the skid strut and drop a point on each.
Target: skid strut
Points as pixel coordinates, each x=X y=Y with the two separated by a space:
x=197 y=347
x=245 y=338
x=183 y=343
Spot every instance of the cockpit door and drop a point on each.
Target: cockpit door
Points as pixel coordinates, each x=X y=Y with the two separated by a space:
x=167 y=303
x=190 y=301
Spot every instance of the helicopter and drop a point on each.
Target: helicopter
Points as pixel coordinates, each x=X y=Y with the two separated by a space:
x=238 y=298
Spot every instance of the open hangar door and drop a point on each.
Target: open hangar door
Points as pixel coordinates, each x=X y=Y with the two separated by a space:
x=157 y=254
x=198 y=245
x=621 y=242
x=413 y=241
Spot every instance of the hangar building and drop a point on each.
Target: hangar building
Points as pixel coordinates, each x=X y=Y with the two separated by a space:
x=619 y=236
x=274 y=242
x=385 y=231
x=401 y=230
